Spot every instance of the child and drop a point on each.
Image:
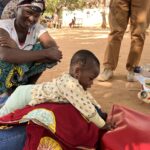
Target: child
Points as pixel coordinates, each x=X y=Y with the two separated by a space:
x=68 y=88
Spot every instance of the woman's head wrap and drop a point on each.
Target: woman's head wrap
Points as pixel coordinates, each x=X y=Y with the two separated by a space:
x=36 y=5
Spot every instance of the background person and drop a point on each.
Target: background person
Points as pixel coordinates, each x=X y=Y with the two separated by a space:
x=55 y=20
x=120 y=13
x=73 y=22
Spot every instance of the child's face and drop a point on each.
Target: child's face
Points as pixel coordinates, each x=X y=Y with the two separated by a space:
x=86 y=77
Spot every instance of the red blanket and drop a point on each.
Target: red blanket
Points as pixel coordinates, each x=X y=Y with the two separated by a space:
x=132 y=132
x=71 y=129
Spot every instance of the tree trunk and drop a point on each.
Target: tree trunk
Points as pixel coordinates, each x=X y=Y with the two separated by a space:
x=103 y=13
x=104 y=24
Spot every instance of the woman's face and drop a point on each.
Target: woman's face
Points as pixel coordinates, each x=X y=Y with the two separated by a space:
x=26 y=17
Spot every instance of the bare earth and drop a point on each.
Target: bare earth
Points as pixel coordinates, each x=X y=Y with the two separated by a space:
x=117 y=90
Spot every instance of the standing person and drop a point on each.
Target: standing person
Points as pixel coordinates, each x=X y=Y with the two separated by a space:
x=73 y=22
x=22 y=58
x=120 y=13
x=55 y=19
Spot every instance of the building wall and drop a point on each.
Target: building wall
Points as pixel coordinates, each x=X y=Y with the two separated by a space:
x=87 y=17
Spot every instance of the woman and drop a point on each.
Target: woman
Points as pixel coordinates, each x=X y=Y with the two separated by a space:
x=19 y=37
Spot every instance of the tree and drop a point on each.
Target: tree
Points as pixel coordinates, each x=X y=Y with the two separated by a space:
x=57 y=5
x=99 y=4
x=103 y=5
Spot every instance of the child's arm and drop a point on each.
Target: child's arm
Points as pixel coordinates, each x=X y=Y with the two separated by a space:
x=94 y=102
x=18 y=99
x=81 y=102
x=75 y=94
x=44 y=92
x=96 y=119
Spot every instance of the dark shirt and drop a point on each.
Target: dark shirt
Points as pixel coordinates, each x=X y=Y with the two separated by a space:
x=3 y=3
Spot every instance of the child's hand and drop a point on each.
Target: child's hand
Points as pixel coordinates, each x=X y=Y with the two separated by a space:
x=109 y=126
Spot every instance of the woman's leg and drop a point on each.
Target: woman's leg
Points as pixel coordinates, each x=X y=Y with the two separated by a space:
x=13 y=138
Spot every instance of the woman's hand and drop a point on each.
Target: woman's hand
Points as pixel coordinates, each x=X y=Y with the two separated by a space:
x=53 y=53
x=6 y=41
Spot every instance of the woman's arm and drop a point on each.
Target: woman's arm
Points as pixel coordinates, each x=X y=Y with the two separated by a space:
x=17 y=56
x=47 y=41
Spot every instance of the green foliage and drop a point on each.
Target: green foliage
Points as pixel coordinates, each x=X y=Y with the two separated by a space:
x=57 y=5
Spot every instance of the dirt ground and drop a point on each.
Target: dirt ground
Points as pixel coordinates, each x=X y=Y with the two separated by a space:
x=117 y=90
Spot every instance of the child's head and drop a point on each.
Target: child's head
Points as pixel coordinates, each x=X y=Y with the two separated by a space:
x=85 y=67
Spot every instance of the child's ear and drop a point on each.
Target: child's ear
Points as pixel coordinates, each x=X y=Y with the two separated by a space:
x=77 y=72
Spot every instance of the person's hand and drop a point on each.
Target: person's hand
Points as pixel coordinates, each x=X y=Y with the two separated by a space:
x=54 y=54
x=6 y=41
x=109 y=126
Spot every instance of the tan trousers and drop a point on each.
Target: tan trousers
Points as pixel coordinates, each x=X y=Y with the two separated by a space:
x=120 y=13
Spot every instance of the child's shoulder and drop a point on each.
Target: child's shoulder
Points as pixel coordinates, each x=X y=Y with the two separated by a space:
x=67 y=79
x=65 y=75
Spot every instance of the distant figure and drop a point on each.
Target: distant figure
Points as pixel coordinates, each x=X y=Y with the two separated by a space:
x=49 y=21
x=73 y=22
x=55 y=20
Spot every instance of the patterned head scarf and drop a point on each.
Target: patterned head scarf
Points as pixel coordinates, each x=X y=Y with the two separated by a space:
x=36 y=5
x=11 y=8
